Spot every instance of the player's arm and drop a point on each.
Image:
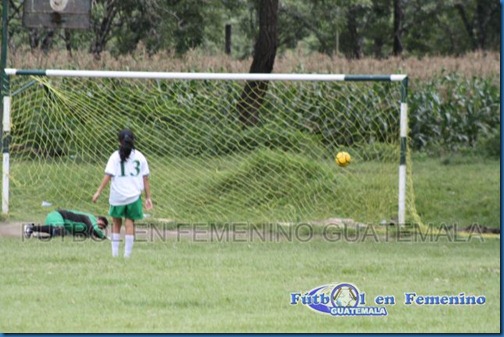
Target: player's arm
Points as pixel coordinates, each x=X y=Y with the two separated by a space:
x=148 y=200
x=105 y=181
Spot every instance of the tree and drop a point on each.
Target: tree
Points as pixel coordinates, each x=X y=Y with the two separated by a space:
x=354 y=28
x=318 y=22
x=265 y=48
x=354 y=36
x=103 y=29
x=300 y=20
x=477 y=27
x=378 y=27
x=398 y=27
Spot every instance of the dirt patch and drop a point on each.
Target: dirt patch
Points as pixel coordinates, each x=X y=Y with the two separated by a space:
x=11 y=229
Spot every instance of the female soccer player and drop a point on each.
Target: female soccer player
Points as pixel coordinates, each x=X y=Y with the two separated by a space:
x=128 y=171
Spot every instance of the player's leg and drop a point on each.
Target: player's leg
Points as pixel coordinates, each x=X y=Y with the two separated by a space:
x=50 y=230
x=57 y=230
x=116 y=235
x=117 y=213
x=133 y=212
x=129 y=237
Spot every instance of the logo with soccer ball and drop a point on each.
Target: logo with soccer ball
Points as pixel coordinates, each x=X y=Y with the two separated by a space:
x=345 y=295
x=337 y=299
x=343 y=159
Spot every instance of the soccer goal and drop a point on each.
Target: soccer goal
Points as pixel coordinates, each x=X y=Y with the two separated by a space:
x=222 y=147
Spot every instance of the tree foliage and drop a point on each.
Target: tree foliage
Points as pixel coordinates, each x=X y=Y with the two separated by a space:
x=354 y=28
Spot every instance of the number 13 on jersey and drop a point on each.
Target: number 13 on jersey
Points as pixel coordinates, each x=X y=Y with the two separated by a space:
x=136 y=169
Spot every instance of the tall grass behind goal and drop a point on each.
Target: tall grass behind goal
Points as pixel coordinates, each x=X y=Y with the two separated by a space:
x=206 y=164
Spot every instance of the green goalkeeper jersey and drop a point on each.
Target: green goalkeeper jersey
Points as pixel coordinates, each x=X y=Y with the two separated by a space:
x=75 y=222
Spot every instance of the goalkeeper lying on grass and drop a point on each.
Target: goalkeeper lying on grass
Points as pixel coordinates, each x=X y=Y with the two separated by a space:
x=68 y=222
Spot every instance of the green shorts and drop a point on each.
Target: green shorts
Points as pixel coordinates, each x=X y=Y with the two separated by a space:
x=131 y=211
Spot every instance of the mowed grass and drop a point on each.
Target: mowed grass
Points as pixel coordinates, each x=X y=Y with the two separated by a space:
x=259 y=187
x=195 y=285
x=181 y=285
x=270 y=186
x=463 y=192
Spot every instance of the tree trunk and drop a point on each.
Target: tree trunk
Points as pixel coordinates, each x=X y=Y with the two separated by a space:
x=46 y=43
x=378 y=47
x=102 y=32
x=227 y=47
x=468 y=26
x=354 y=36
x=398 y=22
x=265 y=48
x=68 y=42
x=482 y=17
x=34 y=38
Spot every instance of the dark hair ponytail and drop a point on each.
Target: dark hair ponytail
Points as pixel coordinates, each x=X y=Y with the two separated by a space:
x=127 y=141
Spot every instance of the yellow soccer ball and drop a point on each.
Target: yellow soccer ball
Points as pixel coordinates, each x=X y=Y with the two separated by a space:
x=343 y=159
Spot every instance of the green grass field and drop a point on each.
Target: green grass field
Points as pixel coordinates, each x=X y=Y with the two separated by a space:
x=462 y=193
x=200 y=285
x=186 y=286
x=258 y=187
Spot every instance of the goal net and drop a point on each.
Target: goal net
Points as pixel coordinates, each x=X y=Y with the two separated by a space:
x=221 y=148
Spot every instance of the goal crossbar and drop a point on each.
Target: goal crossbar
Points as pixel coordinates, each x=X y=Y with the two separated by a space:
x=202 y=76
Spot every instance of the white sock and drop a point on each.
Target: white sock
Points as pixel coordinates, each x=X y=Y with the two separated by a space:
x=128 y=247
x=116 y=238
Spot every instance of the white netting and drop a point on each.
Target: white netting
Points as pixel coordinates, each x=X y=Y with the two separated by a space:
x=207 y=164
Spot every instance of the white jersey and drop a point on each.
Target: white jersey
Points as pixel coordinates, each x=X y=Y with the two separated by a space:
x=127 y=178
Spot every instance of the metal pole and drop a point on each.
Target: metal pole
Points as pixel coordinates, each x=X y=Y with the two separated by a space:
x=5 y=109
x=228 y=39
x=3 y=57
x=403 y=154
x=501 y=110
